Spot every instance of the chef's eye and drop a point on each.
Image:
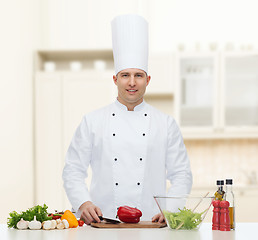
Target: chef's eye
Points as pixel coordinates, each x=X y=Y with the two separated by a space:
x=125 y=75
x=139 y=75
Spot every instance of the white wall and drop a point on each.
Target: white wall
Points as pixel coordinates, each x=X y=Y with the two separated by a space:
x=203 y=21
x=83 y=23
x=86 y=23
x=19 y=37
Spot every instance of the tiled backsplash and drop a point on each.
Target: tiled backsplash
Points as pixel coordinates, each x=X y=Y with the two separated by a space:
x=224 y=158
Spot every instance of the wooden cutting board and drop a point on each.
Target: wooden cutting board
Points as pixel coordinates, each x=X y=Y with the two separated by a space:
x=142 y=224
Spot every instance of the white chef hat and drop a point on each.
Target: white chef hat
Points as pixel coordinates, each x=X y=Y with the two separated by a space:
x=130 y=42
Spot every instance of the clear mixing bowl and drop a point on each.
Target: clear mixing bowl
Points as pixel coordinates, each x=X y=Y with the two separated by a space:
x=184 y=212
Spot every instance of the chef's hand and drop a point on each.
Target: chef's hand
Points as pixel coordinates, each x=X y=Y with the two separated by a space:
x=158 y=218
x=90 y=212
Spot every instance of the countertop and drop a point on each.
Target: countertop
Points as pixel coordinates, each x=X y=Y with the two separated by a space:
x=244 y=231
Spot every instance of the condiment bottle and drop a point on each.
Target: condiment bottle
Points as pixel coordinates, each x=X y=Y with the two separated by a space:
x=229 y=196
x=220 y=192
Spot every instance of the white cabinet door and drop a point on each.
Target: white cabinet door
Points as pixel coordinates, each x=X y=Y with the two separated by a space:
x=216 y=95
x=246 y=205
x=48 y=140
x=81 y=94
x=196 y=91
x=240 y=91
x=162 y=72
x=61 y=101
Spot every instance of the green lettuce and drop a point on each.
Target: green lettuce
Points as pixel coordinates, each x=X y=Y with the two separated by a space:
x=185 y=217
x=39 y=211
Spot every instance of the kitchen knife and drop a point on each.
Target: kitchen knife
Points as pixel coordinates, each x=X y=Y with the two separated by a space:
x=109 y=220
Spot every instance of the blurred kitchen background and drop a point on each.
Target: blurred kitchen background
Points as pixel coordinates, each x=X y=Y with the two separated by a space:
x=56 y=65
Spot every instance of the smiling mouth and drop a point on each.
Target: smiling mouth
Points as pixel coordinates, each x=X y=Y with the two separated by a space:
x=131 y=90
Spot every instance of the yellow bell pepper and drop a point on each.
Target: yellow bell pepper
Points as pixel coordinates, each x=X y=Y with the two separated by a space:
x=70 y=217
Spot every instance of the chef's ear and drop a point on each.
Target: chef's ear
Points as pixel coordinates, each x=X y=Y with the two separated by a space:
x=115 y=79
x=148 y=80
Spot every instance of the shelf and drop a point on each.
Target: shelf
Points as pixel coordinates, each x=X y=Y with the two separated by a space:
x=159 y=96
x=63 y=58
x=90 y=71
x=75 y=54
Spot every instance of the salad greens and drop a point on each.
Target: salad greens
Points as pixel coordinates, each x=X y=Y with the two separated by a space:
x=39 y=211
x=185 y=217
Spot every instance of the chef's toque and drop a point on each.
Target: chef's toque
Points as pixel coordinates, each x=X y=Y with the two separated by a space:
x=130 y=42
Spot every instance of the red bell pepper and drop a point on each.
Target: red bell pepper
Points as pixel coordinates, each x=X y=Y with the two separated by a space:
x=128 y=214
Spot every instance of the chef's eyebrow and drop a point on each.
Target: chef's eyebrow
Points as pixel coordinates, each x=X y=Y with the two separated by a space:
x=134 y=73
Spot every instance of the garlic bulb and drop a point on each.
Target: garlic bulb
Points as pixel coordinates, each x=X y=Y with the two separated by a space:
x=53 y=224
x=47 y=225
x=22 y=224
x=65 y=222
x=60 y=225
x=35 y=224
x=58 y=221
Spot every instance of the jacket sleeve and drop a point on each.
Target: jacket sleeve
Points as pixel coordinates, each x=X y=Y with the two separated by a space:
x=77 y=160
x=177 y=162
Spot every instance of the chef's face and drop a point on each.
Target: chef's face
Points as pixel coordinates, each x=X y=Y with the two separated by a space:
x=131 y=84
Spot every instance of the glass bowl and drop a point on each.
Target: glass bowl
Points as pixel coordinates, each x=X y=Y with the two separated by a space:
x=184 y=212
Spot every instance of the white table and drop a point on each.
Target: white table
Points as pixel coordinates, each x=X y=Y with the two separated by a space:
x=244 y=231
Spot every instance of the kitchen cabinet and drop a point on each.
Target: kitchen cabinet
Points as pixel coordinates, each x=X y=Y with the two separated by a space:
x=160 y=91
x=83 y=93
x=61 y=101
x=216 y=95
x=245 y=203
x=62 y=97
x=197 y=90
x=240 y=88
x=48 y=139
x=162 y=71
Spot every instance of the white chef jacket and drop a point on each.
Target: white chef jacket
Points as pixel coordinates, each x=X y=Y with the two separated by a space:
x=131 y=154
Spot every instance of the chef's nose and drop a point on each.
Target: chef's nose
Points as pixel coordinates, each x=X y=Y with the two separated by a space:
x=132 y=81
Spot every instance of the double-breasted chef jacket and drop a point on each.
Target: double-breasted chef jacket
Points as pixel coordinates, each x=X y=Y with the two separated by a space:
x=131 y=154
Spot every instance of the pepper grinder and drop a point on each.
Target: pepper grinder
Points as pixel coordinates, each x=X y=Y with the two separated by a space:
x=216 y=215
x=224 y=216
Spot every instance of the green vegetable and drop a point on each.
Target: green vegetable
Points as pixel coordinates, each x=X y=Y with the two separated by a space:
x=39 y=211
x=186 y=216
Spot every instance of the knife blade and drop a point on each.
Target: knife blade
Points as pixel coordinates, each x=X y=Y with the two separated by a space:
x=109 y=220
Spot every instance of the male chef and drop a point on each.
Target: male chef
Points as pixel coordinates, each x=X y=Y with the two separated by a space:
x=131 y=147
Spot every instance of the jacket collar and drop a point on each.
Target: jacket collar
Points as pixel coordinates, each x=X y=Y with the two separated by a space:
x=139 y=107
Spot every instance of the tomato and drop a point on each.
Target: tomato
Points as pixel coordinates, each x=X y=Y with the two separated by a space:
x=80 y=222
x=55 y=216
